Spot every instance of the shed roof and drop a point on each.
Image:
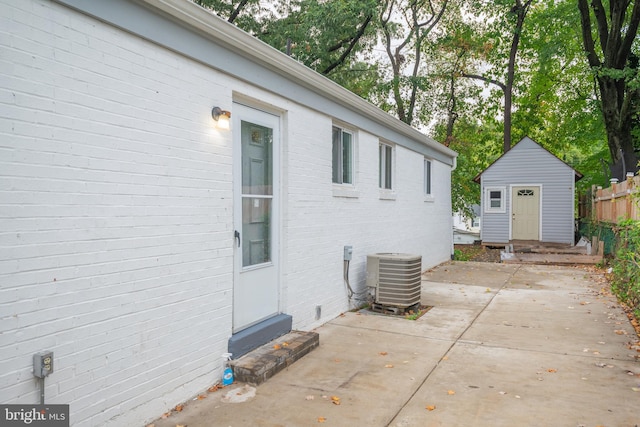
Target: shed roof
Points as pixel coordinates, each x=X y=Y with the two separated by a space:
x=526 y=139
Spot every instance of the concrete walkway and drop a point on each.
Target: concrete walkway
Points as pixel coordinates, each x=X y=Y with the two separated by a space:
x=504 y=345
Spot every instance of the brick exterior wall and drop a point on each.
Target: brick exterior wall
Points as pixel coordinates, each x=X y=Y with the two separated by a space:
x=116 y=216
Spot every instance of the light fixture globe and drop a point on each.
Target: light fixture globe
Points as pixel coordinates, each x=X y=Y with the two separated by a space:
x=222 y=118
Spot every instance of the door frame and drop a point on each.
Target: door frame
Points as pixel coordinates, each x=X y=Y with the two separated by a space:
x=510 y=215
x=243 y=111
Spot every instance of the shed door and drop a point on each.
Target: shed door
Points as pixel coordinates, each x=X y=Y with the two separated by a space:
x=525 y=213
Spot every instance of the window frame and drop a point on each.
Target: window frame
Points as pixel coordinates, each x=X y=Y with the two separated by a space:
x=339 y=159
x=487 y=200
x=427 y=186
x=385 y=174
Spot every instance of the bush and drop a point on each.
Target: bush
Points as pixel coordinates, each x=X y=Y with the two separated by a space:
x=626 y=265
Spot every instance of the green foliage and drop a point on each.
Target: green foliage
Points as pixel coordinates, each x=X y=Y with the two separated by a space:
x=458 y=255
x=325 y=36
x=626 y=264
x=602 y=231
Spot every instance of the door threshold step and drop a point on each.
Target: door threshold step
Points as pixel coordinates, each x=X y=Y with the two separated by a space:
x=264 y=362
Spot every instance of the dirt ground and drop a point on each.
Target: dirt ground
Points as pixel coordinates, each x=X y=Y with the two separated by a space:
x=477 y=253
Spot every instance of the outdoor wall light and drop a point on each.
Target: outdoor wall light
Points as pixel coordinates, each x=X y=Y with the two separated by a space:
x=222 y=117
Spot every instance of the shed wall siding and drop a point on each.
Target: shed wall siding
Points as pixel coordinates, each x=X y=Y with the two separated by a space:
x=529 y=164
x=116 y=207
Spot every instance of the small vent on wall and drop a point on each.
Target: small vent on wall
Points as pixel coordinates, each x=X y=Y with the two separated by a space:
x=395 y=279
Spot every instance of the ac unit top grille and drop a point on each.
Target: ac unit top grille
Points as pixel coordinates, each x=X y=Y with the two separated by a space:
x=395 y=278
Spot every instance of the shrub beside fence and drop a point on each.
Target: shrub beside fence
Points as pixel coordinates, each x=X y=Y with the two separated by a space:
x=613 y=215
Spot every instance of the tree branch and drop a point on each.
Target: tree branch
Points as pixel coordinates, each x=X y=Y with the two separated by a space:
x=237 y=10
x=587 y=38
x=348 y=50
x=502 y=86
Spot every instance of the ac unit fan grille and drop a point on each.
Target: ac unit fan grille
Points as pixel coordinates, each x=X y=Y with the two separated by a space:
x=396 y=278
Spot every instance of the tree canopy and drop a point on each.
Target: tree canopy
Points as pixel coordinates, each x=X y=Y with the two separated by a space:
x=477 y=74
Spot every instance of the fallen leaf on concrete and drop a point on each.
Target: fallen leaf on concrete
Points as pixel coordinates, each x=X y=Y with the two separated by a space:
x=213 y=388
x=502 y=392
x=336 y=360
x=451 y=392
x=553 y=371
x=388 y=366
x=335 y=400
x=431 y=407
x=635 y=388
x=181 y=425
x=179 y=408
x=151 y=425
x=310 y=397
x=202 y=396
x=445 y=358
x=321 y=419
x=166 y=415
x=277 y=347
x=620 y=332
x=383 y=353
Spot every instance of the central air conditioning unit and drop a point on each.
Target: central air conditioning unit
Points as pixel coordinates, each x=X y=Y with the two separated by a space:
x=395 y=279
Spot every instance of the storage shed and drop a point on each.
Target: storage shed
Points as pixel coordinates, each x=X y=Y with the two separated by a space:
x=527 y=194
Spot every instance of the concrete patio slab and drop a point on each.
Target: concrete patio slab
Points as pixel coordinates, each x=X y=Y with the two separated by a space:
x=503 y=345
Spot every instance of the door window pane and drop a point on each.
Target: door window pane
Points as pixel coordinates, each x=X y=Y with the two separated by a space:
x=257 y=160
x=257 y=193
x=256 y=230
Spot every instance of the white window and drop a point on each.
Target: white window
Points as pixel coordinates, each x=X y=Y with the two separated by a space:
x=427 y=177
x=386 y=169
x=494 y=200
x=342 y=156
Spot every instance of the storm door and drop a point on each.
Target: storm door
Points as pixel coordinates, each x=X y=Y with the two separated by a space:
x=256 y=288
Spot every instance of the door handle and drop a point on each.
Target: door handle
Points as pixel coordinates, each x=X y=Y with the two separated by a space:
x=236 y=235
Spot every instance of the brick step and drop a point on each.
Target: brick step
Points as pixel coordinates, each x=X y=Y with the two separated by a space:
x=264 y=362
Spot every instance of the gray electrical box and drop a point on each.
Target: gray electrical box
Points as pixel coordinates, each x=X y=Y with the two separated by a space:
x=348 y=251
x=43 y=364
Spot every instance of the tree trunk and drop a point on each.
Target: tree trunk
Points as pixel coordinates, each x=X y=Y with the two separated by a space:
x=616 y=36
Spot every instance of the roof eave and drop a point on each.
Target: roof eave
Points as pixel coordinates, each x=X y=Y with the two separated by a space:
x=221 y=31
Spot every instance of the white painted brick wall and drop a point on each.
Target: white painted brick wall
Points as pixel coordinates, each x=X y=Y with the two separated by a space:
x=115 y=213
x=319 y=224
x=116 y=247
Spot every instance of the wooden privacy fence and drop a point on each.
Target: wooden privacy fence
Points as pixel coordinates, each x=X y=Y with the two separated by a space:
x=616 y=203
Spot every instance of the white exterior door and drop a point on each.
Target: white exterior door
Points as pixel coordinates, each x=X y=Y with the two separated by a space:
x=256 y=221
x=525 y=213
